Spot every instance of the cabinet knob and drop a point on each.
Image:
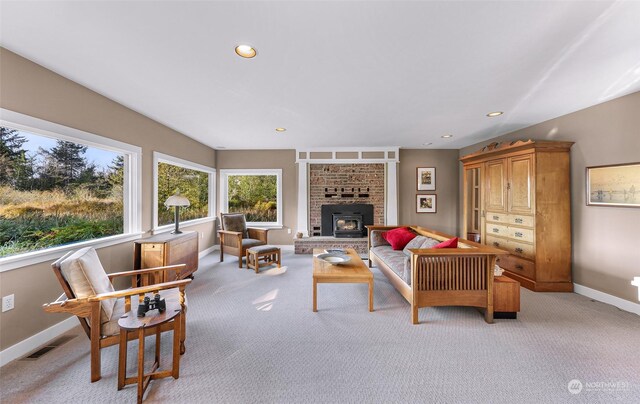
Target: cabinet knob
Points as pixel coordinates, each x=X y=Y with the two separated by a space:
x=496 y=244
x=518 y=234
x=496 y=217
x=518 y=220
x=520 y=267
x=495 y=230
x=519 y=250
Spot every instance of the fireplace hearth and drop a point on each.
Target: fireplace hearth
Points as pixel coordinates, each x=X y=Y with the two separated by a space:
x=346 y=220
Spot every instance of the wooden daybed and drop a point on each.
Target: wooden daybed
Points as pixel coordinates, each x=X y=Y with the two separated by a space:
x=460 y=276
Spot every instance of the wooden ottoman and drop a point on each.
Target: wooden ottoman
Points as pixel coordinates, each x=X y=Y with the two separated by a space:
x=267 y=253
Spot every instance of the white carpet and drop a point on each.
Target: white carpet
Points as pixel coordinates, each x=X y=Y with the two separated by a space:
x=253 y=338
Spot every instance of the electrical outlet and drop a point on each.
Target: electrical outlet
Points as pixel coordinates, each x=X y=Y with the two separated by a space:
x=7 y=303
x=288 y=231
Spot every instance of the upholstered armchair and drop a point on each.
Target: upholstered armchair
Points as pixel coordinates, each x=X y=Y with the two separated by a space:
x=236 y=238
x=89 y=294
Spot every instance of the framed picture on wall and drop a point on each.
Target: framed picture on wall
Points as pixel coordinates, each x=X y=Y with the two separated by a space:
x=426 y=204
x=614 y=185
x=426 y=178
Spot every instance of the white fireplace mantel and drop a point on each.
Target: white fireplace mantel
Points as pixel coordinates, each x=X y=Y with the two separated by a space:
x=389 y=156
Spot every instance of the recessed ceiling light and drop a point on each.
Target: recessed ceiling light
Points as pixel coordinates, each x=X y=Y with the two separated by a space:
x=495 y=113
x=281 y=129
x=446 y=136
x=245 y=51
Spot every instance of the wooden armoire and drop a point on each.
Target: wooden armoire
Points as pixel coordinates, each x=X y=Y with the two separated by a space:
x=517 y=197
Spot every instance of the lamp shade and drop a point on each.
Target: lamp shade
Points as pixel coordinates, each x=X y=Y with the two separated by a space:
x=177 y=200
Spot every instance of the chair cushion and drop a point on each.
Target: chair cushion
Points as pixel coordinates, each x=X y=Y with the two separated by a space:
x=85 y=275
x=235 y=222
x=251 y=242
x=263 y=248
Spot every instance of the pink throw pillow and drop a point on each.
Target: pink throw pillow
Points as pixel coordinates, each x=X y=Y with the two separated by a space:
x=398 y=238
x=451 y=243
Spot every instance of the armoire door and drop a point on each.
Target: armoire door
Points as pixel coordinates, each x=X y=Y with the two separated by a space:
x=521 y=184
x=496 y=186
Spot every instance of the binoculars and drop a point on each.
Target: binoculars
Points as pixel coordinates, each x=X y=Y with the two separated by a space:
x=149 y=304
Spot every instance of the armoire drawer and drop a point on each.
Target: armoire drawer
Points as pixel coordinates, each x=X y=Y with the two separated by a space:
x=497 y=230
x=521 y=249
x=497 y=217
x=520 y=220
x=496 y=242
x=519 y=234
x=518 y=266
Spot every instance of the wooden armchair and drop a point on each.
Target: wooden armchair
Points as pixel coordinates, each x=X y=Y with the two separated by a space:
x=89 y=294
x=236 y=238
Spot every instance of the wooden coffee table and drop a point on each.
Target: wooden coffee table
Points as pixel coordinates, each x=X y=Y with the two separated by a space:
x=355 y=271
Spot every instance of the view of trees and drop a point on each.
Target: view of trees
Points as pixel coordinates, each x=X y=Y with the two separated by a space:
x=254 y=195
x=55 y=195
x=192 y=184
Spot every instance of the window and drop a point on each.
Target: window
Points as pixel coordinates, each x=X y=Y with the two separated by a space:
x=61 y=188
x=256 y=193
x=193 y=181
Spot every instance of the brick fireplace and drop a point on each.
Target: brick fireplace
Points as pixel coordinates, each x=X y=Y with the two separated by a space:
x=345 y=176
x=345 y=184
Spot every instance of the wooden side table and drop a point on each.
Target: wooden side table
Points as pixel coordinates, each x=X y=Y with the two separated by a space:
x=130 y=322
x=506 y=297
x=167 y=249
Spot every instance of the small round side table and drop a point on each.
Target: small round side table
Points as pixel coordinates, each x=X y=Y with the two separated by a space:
x=130 y=323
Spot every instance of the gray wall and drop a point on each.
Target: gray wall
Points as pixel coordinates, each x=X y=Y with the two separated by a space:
x=30 y=89
x=283 y=159
x=446 y=164
x=606 y=253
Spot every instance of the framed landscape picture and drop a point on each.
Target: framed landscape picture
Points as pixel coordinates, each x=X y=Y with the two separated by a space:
x=614 y=185
x=426 y=204
x=426 y=178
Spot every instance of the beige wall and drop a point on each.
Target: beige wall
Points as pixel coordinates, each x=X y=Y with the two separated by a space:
x=606 y=256
x=30 y=89
x=283 y=159
x=446 y=164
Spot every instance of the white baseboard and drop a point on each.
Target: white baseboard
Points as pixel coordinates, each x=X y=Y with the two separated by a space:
x=622 y=304
x=208 y=251
x=34 y=342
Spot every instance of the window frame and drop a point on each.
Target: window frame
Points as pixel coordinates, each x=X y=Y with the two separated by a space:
x=224 y=192
x=176 y=161
x=132 y=192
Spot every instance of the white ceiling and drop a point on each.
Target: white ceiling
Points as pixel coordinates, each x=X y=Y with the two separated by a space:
x=337 y=73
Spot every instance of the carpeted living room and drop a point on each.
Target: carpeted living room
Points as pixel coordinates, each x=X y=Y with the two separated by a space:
x=421 y=201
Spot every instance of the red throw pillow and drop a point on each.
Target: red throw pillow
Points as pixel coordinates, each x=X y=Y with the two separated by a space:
x=398 y=238
x=451 y=243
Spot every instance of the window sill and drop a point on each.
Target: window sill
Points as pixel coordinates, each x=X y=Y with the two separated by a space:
x=269 y=226
x=50 y=254
x=169 y=227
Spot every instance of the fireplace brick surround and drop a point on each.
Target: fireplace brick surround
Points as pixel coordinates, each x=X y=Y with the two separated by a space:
x=361 y=183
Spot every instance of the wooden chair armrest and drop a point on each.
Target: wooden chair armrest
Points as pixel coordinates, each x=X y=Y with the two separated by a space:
x=229 y=232
x=135 y=272
x=78 y=307
x=257 y=233
x=139 y=290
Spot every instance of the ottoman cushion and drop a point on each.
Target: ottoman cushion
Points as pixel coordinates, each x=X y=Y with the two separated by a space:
x=263 y=249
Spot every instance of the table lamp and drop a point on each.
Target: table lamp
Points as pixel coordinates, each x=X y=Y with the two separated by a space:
x=177 y=201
